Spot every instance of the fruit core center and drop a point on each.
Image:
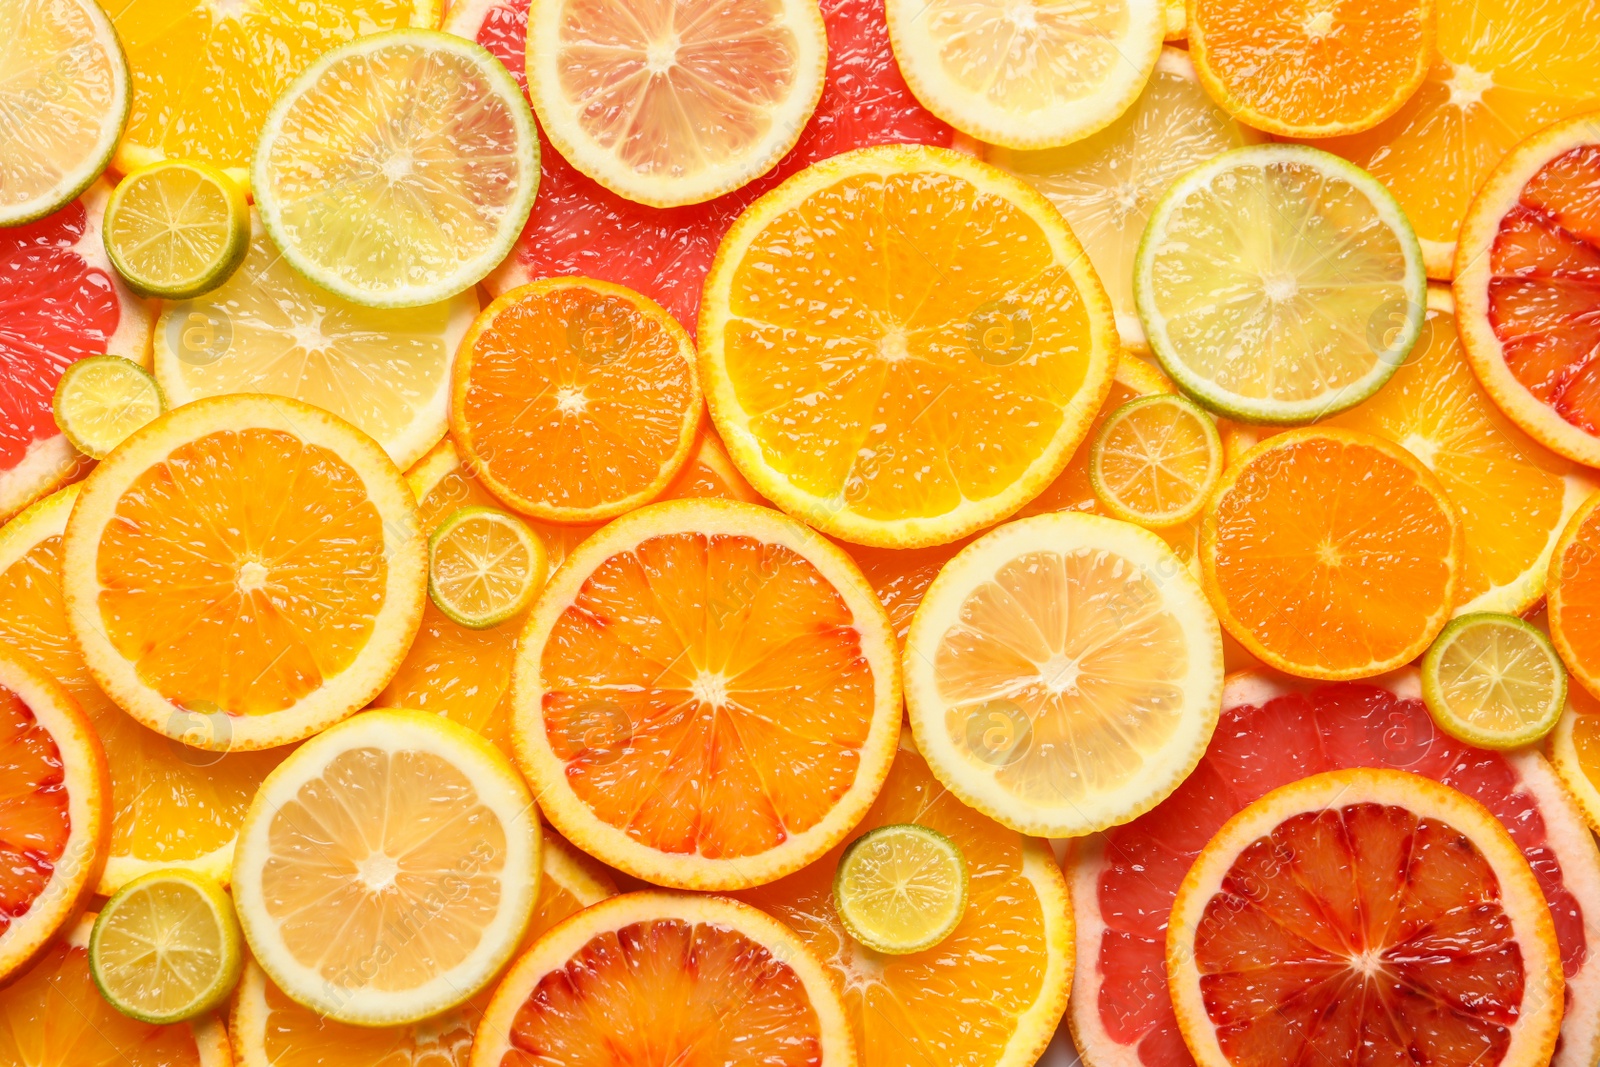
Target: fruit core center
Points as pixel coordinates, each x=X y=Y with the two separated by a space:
x=1022 y=16
x=892 y=347
x=1060 y=673
x=570 y=400
x=1419 y=446
x=1280 y=286
x=307 y=335
x=1319 y=25
x=1467 y=86
x=711 y=688
x=377 y=872
x=397 y=167
x=252 y=576
x=1328 y=554
x=1369 y=963
x=661 y=56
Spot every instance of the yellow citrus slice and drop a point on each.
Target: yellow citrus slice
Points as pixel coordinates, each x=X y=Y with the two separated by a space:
x=1574 y=594
x=398 y=169
x=706 y=695
x=268 y=330
x=1062 y=673
x=1574 y=749
x=203 y=80
x=64 y=94
x=1027 y=77
x=388 y=868
x=172 y=805
x=1106 y=185
x=57 y=796
x=1176 y=13
x=1014 y=942
x=700 y=979
x=1386 y=914
x=1494 y=681
x=905 y=287
x=1155 y=460
x=575 y=400
x=99 y=401
x=484 y=566
x=677 y=103
x=901 y=889
x=177 y=229
x=249 y=557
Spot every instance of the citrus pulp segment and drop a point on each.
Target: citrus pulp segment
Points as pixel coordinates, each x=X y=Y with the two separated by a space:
x=1261 y=274
x=1574 y=749
x=1062 y=673
x=176 y=47
x=1500 y=70
x=1274 y=731
x=952 y=287
x=63 y=302
x=1106 y=184
x=703 y=980
x=1373 y=912
x=1525 y=287
x=177 y=229
x=1294 y=555
x=575 y=401
x=706 y=695
x=678 y=103
x=1045 y=75
x=249 y=561
x=398 y=169
x=99 y=401
x=1155 y=460
x=901 y=889
x=58 y=811
x=993 y=991
x=484 y=566
x=270 y=1030
x=63 y=103
x=1574 y=595
x=387 y=869
x=268 y=330
x=1354 y=62
x=171 y=805
x=1493 y=680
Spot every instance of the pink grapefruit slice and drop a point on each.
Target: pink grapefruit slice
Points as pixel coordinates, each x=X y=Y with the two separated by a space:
x=1274 y=731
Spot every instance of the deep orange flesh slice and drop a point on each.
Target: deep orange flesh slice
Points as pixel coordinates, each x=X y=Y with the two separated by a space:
x=708 y=694
x=34 y=825
x=669 y=992
x=1578 y=600
x=1544 y=286
x=1410 y=897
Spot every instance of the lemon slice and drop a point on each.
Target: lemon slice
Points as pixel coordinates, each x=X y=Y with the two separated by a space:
x=901 y=889
x=64 y=95
x=484 y=566
x=101 y=400
x=399 y=168
x=1279 y=284
x=165 y=948
x=1156 y=460
x=1494 y=681
x=177 y=229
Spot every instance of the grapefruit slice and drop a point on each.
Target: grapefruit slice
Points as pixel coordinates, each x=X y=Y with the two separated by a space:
x=1365 y=915
x=60 y=301
x=1527 y=287
x=1273 y=731
x=580 y=227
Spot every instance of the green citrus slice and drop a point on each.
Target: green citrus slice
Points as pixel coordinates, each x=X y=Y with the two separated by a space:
x=901 y=889
x=99 y=401
x=177 y=229
x=1278 y=284
x=165 y=948
x=1494 y=681
x=1156 y=460
x=484 y=566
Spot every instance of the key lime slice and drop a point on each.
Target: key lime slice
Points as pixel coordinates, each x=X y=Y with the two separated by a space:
x=99 y=401
x=1156 y=460
x=484 y=566
x=901 y=888
x=1494 y=681
x=177 y=229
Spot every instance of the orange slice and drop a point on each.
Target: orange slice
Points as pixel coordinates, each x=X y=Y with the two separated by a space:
x=270 y=1030
x=1527 y=287
x=171 y=805
x=1331 y=553
x=1574 y=749
x=57 y=801
x=706 y=695
x=1014 y=942
x=1370 y=914
x=700 y=981
x=1574 y=591
x=1354 y=61
x=248 y=556
x=53 y=1016
x=859 y=314
x=678 y=102
x=574 y=400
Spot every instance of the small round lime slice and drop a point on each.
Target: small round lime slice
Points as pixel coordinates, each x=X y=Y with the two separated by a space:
x=99 y=401
x=484 y=566
x=1156 y=460
x=177 y=229
x=901 y=888
x=1494 y=681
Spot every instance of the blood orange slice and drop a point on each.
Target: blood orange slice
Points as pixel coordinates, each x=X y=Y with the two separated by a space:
x=59 y=301
x=1368 y=916
x=1274 y=731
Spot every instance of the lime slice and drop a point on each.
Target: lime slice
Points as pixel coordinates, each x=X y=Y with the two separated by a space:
x=64 y=95
x=1494 y=681
x=398 y=169
x=484 y=566
x=99 y=401
x=177 y=229
x=1278 y=284
x=1156 y=460
x=165 y=948
x=901 y=888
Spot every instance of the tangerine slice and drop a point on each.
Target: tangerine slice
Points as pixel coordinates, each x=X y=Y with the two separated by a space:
x=1574 y=595
x=706 y=695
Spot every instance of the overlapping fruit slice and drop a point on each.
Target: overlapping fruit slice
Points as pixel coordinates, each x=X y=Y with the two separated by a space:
x=1574 y=590
x=1274 y=731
